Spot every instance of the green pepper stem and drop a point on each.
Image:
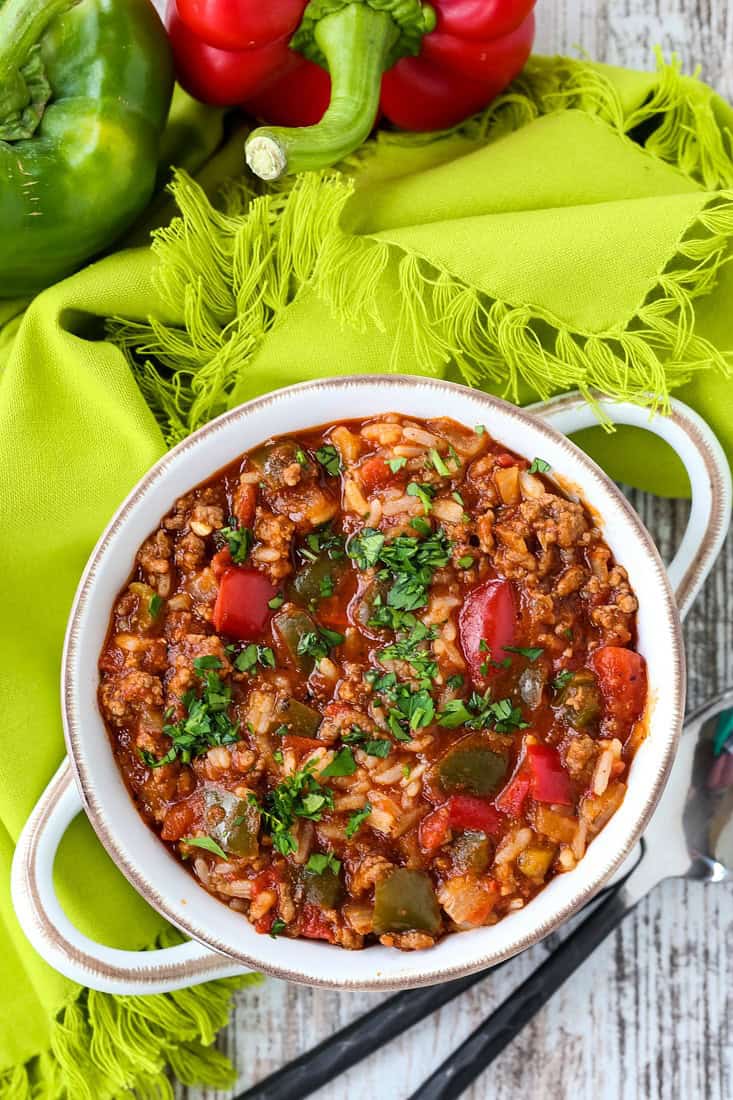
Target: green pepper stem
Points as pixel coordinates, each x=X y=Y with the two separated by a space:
x=356 y=43
x=22 y=22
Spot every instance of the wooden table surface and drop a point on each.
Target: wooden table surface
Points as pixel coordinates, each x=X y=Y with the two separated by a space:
x=649 y=1016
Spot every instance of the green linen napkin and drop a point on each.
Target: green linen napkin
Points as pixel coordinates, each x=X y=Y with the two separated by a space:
x=576 y=234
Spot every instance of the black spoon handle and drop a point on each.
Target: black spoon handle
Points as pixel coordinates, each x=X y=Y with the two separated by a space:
x=480 y=1049
x=336 y=1054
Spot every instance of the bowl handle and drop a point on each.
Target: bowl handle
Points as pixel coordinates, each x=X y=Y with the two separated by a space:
x=63 y=946
x=706 y=465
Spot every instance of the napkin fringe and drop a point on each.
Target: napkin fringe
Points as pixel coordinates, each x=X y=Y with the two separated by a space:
x=236 y=270
x=676 y=123
x=103 y=1047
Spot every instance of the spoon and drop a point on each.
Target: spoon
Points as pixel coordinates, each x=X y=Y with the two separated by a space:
x=689 y=836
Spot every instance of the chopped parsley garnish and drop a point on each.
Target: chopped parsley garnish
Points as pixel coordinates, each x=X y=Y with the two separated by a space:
x=301 y=457
x=252 y=655
x=206 y=722
x=277 y=756
x=378 y=746
x=396 y=464
x=530 y=652
x=481 y=712
x=323 y=541
x=330 y=459
x=325 y=586
x=155 y=605
x=408 y=709
x=356 y=820
x=317 y=643
x=562 y=679
x=423 y=492
x=412 y=649
x=276 y=601
x=343 y=763
x=458 y=498
x=298 y=795
x=455 y=682
x=438 y=463
x=205 y=842
x=406 y=769
x=465 y=562
x=539 y=466
x=278 y=926
x=238 y=539
x=480 y=429
x=320 y=862
x=365 y=547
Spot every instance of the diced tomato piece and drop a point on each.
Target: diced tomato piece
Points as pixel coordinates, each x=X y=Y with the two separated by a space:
x=511 y=800
x=374 y=473
x=301 y=745
x=221 y=562
x=241 y=608
x=622 y=676
x=461 y=811
x=488 y=615
x=549 y=782
x=506 y=460
x=266 y=880
x=245 y=502
x=314 y=925
x=434 y=828
x=177 y=822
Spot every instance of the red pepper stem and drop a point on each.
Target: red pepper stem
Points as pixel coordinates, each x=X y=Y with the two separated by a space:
x=356 y=42
x=22 y=22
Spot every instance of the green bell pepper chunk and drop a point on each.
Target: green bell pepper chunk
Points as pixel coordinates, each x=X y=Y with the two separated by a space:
x=472 y=767
x=405 y=902
x=580 y=699
x=472 y=851
x=301 y=720
x=324 y=890
x=291 y=626
x=232 y=822
x=84 y=95
x=307 y=585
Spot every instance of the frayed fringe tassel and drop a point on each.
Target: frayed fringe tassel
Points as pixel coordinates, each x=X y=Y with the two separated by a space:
x=683 y=129
x=105 y=1047
x=236 y=268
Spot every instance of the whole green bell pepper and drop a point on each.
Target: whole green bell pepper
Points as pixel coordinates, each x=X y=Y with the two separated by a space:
x=85 y=87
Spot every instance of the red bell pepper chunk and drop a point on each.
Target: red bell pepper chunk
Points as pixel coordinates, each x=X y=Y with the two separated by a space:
x=487 y=622
x=622 y=678
x=539 y=774
x=511 y=800
x=549 y=782
x=461 y=811
x=263 y=53
x=241 y=608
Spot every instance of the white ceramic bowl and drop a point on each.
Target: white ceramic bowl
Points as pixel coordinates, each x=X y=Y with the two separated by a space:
x=222 y=940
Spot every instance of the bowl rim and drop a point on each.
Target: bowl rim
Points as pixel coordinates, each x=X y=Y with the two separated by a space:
x=394 y=384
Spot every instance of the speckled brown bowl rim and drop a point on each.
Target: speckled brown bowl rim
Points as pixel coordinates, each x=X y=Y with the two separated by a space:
x=399 y=384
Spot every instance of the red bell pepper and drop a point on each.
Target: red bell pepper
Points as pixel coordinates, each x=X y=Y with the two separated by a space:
x=486 y=623
x=241 y=609
x=330 y=67
x=461 y=811
x=539 y=773
x=622 y=677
